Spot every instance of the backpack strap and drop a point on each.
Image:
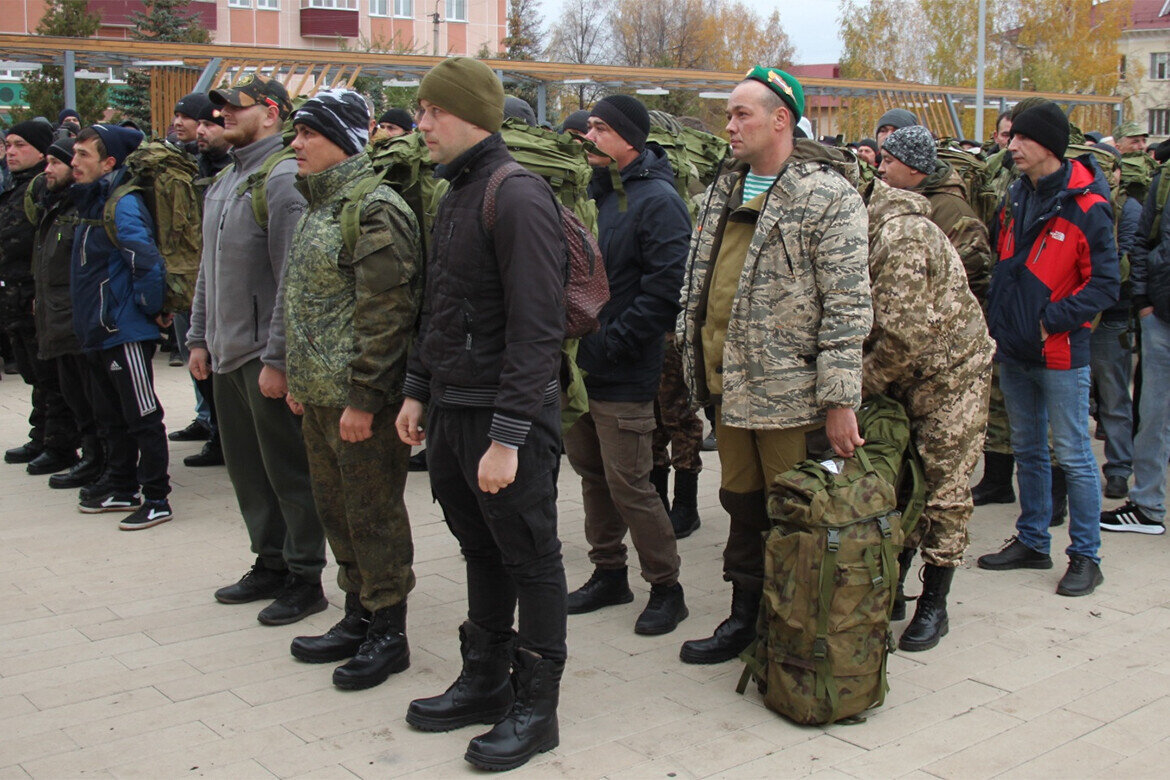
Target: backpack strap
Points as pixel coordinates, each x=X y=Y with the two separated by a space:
x=492 y=191
x=110 y=210
x=351 y=211
x=826 y=685
x=257 y=184
x=33 y=211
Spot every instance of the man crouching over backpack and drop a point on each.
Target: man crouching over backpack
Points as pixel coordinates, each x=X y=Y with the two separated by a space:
x=350 y=302
x=117 y=290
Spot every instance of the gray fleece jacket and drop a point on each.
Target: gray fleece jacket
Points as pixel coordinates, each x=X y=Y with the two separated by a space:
x=237 y=313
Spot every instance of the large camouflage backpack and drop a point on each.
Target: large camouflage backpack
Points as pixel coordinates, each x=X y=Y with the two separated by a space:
x=1137 y=171
x=706 y=152
x=666 y=131
x=831 y=573
x=981 y=195
x=164 y=175
x=404 y=162
x=560 y=161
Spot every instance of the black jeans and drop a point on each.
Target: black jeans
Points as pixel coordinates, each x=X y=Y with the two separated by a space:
x=76 y=380
x=508 y=539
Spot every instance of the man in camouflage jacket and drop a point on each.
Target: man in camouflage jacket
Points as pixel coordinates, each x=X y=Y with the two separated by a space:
x=350 y=303
x=929 y=349
x=776 y=305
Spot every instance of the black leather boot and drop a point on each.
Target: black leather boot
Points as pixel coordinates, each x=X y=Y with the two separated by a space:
x=340 y=642
x=930 y=622
x=530 y=727
x=905 y=558
x=684 y=515
x=996 y=485
x=384 y=652
x=259 y=582
x=299 y=598
x=605 y=588
x=25 y=453
x=210 y=455
x=660 y=478
x=1059 y=497
x=86 y=471
x=51 y=461
x=483 y=691
x=731 y=637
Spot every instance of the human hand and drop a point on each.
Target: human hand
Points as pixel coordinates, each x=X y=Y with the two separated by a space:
x=497 y=468
x=409 y=422
x=841 y=428
x=199 y=363
x=356 y=425
x=273 y=383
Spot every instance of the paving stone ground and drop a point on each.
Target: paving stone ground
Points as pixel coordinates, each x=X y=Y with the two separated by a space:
x=115 y=661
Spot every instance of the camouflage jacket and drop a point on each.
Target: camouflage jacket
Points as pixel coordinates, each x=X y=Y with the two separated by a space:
x=950 y=210
x=802 y=309
x=349 y=317
x=927 y=325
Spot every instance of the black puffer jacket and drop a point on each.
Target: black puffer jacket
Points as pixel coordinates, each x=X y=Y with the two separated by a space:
x=493 y=315
x=16 y=233
x=53 y=309
x=645 y=252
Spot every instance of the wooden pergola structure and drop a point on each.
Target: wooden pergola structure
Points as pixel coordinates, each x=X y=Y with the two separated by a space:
x=179 y=68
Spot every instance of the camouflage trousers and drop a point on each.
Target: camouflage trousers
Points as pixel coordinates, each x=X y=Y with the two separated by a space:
x=679 y=428
x=949 y=438
x=999 y=432
x=358 y=489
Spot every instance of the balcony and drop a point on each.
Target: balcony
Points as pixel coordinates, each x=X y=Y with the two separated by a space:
x=329 y=18
x=118 y=13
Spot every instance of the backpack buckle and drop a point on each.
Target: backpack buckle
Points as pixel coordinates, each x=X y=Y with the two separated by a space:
x=834 y=540
x=820 y=649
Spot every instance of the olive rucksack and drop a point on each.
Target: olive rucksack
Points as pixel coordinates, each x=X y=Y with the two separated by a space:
x=666 y=131
x=832 y=573
x=706 y=153
x=560 y=161
x=164 y=175
x=405 y=164
x=981 y=195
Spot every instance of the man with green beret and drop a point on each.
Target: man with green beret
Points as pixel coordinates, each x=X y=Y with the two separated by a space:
x=484 y=377
x=776 y=306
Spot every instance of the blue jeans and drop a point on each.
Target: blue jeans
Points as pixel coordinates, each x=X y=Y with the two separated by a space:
x=1152 y=441
x=1112 y=364
x=1037 y=398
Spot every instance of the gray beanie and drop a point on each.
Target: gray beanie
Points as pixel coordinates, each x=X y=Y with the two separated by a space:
x=913 y=146
x=896 y=118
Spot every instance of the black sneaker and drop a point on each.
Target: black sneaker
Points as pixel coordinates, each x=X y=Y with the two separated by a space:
x=259 y=583
x=665 y=610
x=1128 y=518
x=210 y=455
x=299 y=599
x=150 y=514
x=196 y=431
x=113 y=501
x=1082 y=578
x=709 y=444
x=1016 y=555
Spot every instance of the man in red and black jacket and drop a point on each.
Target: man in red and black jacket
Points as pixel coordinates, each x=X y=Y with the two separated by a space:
x=1057 y=270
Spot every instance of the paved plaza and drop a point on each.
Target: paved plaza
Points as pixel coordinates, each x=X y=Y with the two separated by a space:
x=115 y=660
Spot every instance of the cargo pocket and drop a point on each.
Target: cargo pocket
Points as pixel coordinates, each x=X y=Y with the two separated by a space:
x=634 y=440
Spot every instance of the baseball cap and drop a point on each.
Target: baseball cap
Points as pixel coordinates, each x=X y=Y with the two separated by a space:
x=253 y=89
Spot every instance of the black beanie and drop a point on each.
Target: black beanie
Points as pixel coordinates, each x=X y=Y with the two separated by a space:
x=39 y=135
x=627 y=116
x=62 y=149
x=578 y=120
x=192 y=105
x=399 y=117
x=1045 y=124
x=211 y=113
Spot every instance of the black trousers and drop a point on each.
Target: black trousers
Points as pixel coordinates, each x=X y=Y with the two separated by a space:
x=75 y=377
x=51 y=422
x=124 y=394
x=509 y=540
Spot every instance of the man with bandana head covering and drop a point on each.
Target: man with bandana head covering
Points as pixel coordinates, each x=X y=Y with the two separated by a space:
x=353 y=293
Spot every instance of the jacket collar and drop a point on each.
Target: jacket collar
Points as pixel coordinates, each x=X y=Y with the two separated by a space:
x=252 y=155
x=475 y=160
x=324 y=185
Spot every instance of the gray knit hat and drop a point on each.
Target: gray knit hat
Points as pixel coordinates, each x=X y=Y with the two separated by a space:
x=896 y=118
x=913 y=146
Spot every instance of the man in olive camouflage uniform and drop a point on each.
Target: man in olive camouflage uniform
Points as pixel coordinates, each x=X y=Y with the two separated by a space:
x=930 y=350
x=678 y=442
x=776 y=305
x=351 y=299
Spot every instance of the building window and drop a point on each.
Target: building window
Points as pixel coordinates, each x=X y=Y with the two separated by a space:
x=1160 y=66
x=268 y=5
x=378 y=7
x=456 y=10
x=342 y=5
x=1160 y=121
x=240 y=3
x=404 y=9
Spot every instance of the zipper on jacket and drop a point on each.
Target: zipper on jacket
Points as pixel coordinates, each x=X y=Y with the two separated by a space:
x=255 y=318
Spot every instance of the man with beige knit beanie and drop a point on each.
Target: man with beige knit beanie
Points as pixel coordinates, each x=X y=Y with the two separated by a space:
x=483 y=376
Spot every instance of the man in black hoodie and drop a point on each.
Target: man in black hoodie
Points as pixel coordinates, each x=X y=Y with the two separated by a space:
x=645 y=247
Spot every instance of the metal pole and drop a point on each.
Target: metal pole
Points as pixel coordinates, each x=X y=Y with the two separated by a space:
x=541 y=103
x=204 y=82
x=979 y=67
x=70 y=80
x=954 y=114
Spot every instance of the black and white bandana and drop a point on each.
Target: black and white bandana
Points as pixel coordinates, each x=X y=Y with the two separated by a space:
x=340 y=115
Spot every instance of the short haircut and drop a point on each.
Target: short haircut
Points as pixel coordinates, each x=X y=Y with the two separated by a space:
x=90 y=134
x=1002 y=116
x=772 y=101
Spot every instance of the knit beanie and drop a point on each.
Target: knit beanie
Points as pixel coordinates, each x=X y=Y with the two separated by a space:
x=913 y=146
x=1024 y=105
x=519 y=109
x=897 y=118
x=340 y=115
x=1045 y=124
x=38 y=135
x=578 y=120
x=67 y=112
x=468 y=89
x=627 y=116
x=62 y=149
x=192 y=105
x=211 y=113
x=399 y=117
x=119 y=141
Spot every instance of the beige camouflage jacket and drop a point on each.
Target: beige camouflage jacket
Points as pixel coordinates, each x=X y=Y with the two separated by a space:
x=802 y=310
x=928 y=329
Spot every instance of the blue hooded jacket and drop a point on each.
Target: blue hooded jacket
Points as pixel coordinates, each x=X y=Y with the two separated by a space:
x=116 y=292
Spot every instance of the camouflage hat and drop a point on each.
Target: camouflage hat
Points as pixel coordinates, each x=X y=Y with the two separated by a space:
x=253 y=89
x=1128 y=129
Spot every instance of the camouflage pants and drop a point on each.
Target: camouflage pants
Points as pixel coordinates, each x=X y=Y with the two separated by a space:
x=358 y=489
x=999 y=432
x=950 y=439
x=678 y=425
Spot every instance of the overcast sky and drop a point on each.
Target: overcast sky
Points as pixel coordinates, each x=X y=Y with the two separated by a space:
x=811 y=24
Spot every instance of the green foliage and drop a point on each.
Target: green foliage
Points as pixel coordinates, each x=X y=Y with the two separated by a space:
x=44 y=89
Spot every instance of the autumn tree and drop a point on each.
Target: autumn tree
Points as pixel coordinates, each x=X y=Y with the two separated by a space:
x=738 y=38
x=524 y=42
x=44 y=89
x=576 y=37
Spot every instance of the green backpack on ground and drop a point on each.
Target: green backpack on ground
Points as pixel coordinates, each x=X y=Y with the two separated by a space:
x=831 y=573
x=164 y=176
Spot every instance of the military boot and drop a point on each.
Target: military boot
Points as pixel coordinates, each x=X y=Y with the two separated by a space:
x=930 y=622
x=731 y=637
x=530 y=727
x=340 y=642
x=483 y=691
x=996 y=485
x=50 y=461
x=684 y=515
x=86 y=471
x=604 y=588
x=660 y=478
x=905 y=558
x=384 y=652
